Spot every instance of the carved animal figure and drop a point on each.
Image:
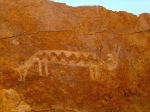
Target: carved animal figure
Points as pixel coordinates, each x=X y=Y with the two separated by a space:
x=23 y=69
x=69 y=58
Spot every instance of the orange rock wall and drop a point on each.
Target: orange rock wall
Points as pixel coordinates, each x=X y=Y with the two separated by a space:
x=27 y=27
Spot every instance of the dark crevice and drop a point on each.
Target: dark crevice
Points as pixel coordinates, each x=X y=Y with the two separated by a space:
x=20 y=35
x=34 y=33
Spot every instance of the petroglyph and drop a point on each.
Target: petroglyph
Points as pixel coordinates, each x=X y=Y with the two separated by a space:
x=23 y=69
x=69 y=58
x=112 y=62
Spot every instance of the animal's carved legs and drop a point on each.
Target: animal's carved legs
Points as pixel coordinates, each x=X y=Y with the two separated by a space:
x=22 y=75
x=96 y=72
x=20 y=78
x=46 y=68
x=92 y=72
x=40 y=68
x=25 y=74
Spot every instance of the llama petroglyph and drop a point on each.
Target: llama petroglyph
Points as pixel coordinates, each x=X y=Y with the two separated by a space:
x=69 y=58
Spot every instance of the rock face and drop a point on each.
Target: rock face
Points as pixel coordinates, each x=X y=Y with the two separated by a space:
x=10 y=102
x=74 y=59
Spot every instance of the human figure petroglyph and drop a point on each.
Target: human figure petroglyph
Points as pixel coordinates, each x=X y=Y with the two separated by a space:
x=69 y=58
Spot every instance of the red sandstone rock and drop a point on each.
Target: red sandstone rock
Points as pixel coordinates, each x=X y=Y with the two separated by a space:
x=11 y=102
x=96 y=60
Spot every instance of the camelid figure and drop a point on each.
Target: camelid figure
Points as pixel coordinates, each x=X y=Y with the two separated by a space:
x=62 y=57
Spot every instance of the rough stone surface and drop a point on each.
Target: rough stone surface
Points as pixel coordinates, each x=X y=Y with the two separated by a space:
x=10 y=102
x=74 y=59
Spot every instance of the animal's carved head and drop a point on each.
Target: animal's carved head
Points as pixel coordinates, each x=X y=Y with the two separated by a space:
x=112 y=59
x=114 y=54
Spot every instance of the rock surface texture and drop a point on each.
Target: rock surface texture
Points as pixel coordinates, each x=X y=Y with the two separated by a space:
x=73 y=59
x=10 y=102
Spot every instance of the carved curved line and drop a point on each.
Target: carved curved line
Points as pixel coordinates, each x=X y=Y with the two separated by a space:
x=68 y=54
x=53 y=54
x=64 y=57
x=73 y=58
x=63 y=61
x=72 y=62
x=57 y=52
x=118 y=50
x=77 y=54
x=82 y=58
x=54 y=59
x=81 y=63
x=48 y=52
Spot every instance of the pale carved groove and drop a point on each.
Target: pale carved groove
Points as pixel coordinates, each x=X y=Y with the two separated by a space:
x=69 y=58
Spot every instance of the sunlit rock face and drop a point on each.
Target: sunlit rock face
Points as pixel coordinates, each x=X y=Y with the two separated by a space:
x=10 y=101
x=74 y=59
